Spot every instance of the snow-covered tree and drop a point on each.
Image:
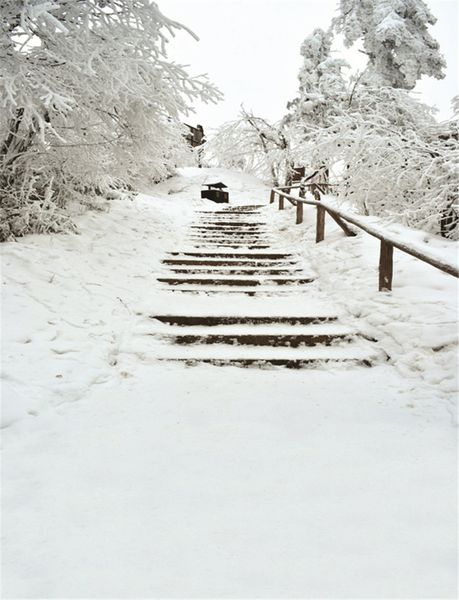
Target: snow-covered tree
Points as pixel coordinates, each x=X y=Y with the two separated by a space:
x=384 y=147
x=393 y=160
x=322 y=93
x=322 y=87
x=88 y=101
x=395 y=37
x=252 y=144
x=455 y=106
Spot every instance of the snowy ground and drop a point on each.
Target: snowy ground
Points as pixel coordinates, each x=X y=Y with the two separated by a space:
x=123 y=478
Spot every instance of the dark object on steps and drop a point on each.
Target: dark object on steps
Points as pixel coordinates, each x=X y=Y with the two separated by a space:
x=215 y=192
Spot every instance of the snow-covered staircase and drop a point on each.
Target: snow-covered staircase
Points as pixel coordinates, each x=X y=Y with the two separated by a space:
x=244 y=302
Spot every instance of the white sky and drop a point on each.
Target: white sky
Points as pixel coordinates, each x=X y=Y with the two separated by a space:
x=250 y=49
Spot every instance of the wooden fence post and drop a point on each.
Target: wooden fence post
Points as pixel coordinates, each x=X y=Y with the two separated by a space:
x=272 y=197
x=299 y=213
x=385 y=266
x=281 y=202
x=320 y=224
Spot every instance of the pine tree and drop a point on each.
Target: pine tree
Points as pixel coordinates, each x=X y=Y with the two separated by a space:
x=395 y=37
x=322 y=94
x=322 y=87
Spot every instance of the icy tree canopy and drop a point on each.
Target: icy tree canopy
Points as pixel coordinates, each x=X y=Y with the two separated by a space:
x=396 y=38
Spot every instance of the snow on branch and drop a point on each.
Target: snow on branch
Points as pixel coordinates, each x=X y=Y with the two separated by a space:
x=89 y=99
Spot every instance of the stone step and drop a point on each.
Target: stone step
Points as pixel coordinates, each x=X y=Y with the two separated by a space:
x=234 y=209
x=293 y=291
x=238 y=255
x=230 y=213
x=214 y=320
x=246 y=226
x=243 y=208
x=245 y=238
x=280 y=356
x=227 y=225
x=232 y=236
x=229 y=233
x=230 y=280
x=254 y=339
x=209 y=242
x=248 y=237
x=258 y=335
x=235 y=271
x=230 y=224
x=216 y=243
x=228 y=262
x=233 y=246
x=242 y=242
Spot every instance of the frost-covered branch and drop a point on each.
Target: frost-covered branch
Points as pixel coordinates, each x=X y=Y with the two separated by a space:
x=253 y=144
x=88 y=99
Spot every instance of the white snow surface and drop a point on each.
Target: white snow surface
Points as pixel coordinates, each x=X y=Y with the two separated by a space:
x=124 y=477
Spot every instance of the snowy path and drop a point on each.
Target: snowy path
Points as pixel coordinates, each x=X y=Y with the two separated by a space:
x=248 y=331
x=125 y=478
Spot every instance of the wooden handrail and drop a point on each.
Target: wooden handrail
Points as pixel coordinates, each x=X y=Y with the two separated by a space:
x=388 y=240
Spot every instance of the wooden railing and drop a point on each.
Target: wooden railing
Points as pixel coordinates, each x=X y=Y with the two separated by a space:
x=346 y=221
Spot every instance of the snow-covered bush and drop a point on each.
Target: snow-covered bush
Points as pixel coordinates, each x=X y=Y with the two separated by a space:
x=89 y=101
x=254 y=145
x=390 y=158
x=410 y=175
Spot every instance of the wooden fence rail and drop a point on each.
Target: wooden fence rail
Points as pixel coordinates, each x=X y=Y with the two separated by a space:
x=347 y=222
